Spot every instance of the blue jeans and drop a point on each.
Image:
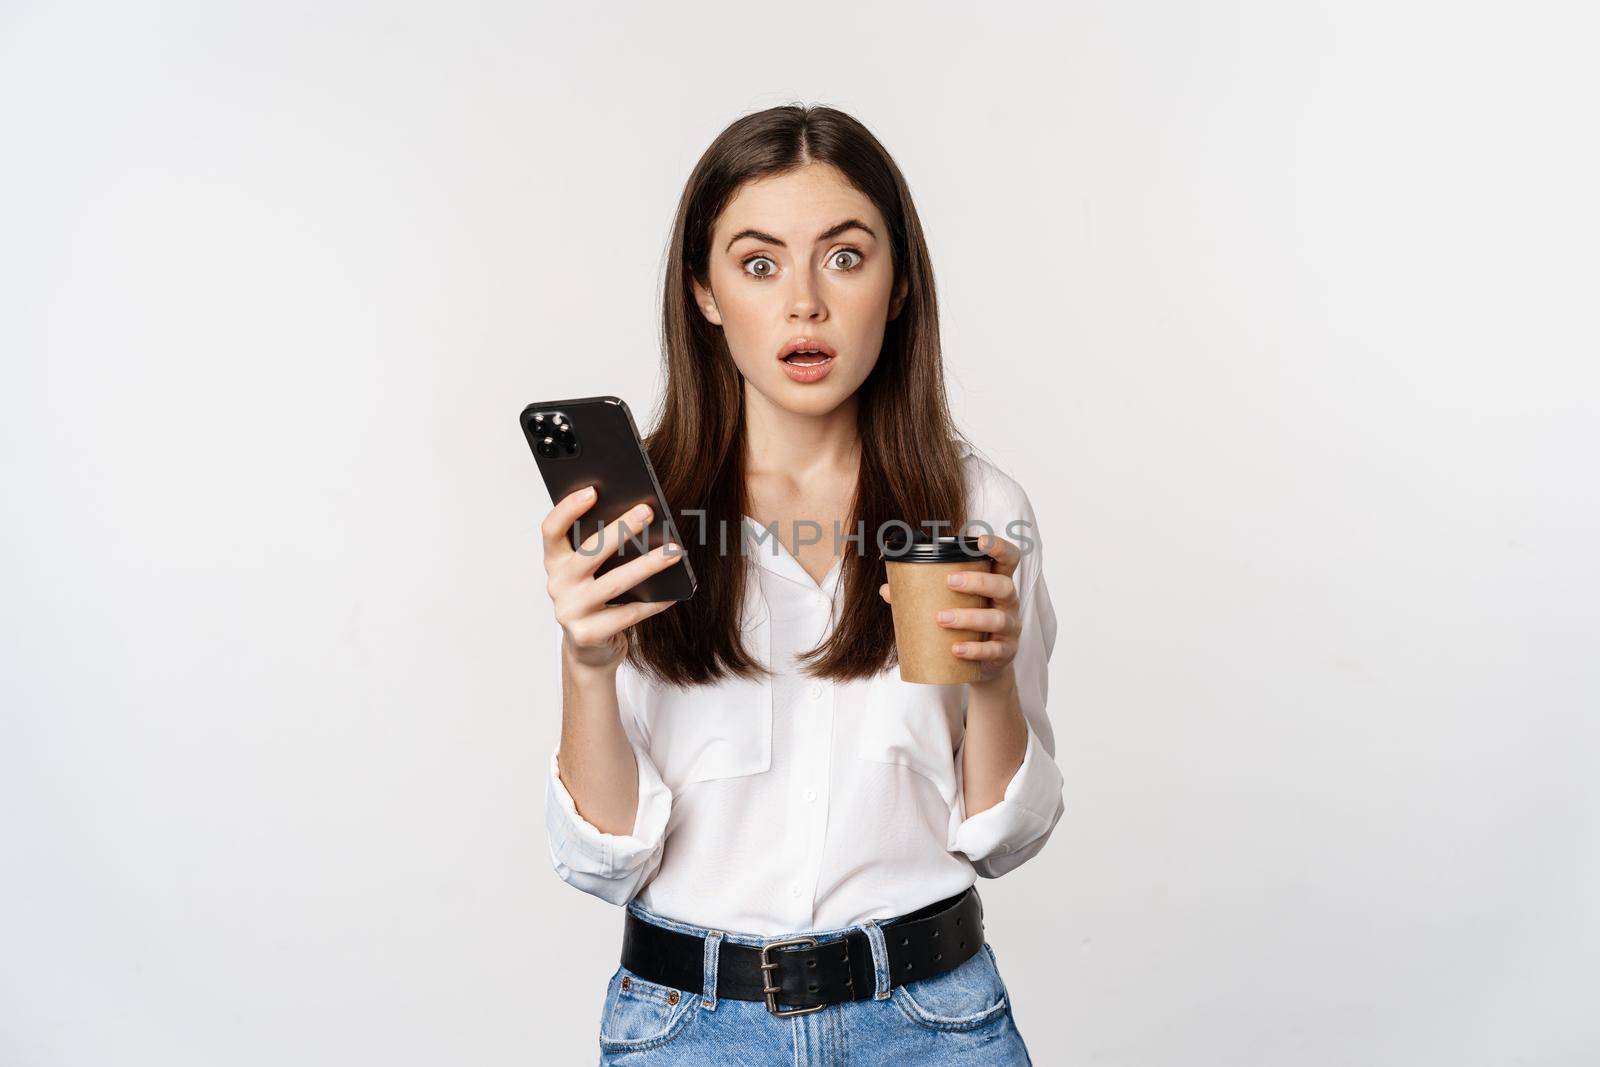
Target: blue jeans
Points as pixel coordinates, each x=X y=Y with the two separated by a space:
x=962 y=1016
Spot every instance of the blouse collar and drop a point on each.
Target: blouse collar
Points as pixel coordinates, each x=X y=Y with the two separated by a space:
x=773 y=557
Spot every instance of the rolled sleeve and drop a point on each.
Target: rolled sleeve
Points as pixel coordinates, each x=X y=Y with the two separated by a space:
x=613 y=867
x=1001 y=838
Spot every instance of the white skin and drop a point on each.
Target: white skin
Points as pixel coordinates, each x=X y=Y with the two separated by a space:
x=782 y=265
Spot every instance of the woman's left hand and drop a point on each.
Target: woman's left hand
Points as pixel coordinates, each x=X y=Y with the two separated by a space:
x=1002 y=621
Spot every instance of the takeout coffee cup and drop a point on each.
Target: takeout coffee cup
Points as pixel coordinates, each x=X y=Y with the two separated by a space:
x=918 y=589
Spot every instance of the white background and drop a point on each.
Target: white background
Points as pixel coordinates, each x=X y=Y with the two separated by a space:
x=1283 y=314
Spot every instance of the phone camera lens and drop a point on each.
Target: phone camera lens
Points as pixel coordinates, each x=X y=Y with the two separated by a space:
x=564 y=434
x=548 y=448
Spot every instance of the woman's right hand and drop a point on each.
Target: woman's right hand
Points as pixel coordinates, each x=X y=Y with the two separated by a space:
x=593 y=631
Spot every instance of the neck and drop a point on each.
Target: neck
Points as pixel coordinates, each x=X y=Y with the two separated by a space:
x=796 y=446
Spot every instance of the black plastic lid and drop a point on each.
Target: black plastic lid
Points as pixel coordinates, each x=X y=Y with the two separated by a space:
x=924 y=549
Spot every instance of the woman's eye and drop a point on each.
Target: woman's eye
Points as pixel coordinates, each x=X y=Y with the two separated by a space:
x=764 y=267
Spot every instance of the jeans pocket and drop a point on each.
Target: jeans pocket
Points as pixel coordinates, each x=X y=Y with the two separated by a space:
x=641 y=1015
x=962 y=998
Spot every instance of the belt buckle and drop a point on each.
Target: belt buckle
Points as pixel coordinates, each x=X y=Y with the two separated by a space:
x=768 y=966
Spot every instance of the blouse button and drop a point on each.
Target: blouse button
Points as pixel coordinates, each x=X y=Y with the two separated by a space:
x=811 y=794
x=816 y=691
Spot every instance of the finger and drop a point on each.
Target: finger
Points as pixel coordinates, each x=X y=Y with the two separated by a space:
x=985 y=650
x=1005 y=553
x=883 y=591
x=602 y=543
x=619 y=580
x=553 y=530
x=979 y=620
x=597 y=627
x=613 y=620
x=997 y=587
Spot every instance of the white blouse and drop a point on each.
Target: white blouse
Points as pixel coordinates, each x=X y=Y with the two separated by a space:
x=777 y=806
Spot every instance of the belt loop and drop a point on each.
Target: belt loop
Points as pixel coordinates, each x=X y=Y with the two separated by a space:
x=709 y=982
x=880 y=959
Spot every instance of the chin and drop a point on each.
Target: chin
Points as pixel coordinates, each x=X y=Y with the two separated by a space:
x=805 y=399
x=818 y=403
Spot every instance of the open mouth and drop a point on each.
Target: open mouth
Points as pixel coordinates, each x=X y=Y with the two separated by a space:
x=806 y=352
x=807 y=358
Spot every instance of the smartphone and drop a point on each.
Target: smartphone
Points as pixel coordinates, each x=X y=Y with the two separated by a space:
x=593 y=441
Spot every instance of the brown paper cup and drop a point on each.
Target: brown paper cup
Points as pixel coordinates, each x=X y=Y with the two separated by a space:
x=916 y=592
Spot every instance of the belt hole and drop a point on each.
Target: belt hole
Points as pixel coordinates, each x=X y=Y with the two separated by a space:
x=958 y=920
x=905 y=941
x=938 y=955
x=811 y=963
x=963 y=944
x=936 y=933
x=812 y=988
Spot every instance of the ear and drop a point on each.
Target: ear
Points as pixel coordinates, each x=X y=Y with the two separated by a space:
x=897 y=299
x=707 y=302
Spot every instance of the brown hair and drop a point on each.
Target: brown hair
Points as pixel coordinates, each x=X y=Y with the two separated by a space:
x=910 y=462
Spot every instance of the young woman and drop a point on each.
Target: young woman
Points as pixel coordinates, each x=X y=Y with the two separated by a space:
x=794 y=832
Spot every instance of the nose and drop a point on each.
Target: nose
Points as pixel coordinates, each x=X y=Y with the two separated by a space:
x=805 y=300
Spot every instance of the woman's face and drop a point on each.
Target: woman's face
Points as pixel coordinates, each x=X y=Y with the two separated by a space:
x=802 y=255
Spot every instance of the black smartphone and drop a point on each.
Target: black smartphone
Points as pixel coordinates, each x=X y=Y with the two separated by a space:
x=593 y=441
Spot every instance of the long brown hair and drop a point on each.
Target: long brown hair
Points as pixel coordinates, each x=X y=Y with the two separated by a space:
x=910 y=466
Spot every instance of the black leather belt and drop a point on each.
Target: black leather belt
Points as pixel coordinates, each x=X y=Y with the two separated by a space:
x=804 y=971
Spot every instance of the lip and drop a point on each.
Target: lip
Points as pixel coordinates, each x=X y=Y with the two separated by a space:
x=800 y=343
x=807 y=375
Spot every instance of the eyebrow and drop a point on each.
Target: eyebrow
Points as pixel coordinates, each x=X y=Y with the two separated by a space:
x=828 y=234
